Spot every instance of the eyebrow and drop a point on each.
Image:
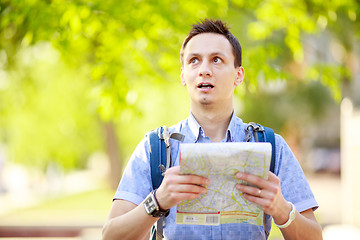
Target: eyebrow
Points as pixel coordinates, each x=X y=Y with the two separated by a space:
x=211 y=54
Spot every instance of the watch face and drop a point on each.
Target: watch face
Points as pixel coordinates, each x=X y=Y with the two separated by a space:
x=150 y=204
x=152 y=208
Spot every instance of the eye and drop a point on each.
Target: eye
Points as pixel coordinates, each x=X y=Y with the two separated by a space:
x=194 y=60
x=217 y=60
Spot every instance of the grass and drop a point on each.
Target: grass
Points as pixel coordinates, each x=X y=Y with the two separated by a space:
x=87 y=208
x=275 y=233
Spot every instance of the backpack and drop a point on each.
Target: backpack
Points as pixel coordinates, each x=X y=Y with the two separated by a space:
x=160 y=158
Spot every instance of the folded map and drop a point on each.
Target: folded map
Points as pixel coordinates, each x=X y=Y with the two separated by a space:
x=219 y=162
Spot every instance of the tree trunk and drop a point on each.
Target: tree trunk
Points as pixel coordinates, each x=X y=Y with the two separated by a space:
x=113 y=152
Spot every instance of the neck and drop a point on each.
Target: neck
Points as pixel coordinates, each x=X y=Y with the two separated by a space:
x=214 y=122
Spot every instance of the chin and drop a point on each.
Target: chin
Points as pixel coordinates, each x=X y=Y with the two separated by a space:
x=206 y=102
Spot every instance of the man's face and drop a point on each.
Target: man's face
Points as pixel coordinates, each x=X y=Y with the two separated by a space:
x=208 y=70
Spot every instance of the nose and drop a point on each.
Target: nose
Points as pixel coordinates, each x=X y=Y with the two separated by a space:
x=205 y=70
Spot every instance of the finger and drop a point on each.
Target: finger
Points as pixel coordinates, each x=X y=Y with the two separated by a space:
x=273 y=178
x=194 y=179
x=171 y=199
x=252 y=179
x=189 y=188
x=184 y=196
x=254 y=191
x=185 y=179
x=173 y=170
x=263 y=202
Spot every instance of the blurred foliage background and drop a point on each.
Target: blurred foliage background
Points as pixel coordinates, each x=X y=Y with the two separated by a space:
x=79 y=78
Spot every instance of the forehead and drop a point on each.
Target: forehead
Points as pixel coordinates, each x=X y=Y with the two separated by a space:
x=207 y=43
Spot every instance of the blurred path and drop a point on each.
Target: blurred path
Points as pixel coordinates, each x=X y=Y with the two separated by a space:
x=327 y=191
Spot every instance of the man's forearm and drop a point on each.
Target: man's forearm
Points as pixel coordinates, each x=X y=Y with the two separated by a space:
x=134 y=224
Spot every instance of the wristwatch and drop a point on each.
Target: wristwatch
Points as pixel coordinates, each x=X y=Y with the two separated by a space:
x=152 y=207
x=291 y=217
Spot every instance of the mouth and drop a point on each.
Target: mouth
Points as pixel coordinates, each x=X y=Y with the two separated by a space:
x=205 y=85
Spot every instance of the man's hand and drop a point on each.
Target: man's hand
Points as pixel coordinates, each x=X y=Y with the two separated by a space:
x=267 y=194
x=176 y=188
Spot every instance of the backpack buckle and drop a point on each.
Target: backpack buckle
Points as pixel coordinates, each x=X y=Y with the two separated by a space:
x=255 y=128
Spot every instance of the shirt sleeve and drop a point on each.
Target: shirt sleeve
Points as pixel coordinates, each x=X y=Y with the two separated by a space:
x=135 y=183
x=294 y=186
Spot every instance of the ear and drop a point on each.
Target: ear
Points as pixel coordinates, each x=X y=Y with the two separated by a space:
x=182 y=76
x=240 y=74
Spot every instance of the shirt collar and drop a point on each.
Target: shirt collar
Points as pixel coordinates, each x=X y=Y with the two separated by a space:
x=231 y=130
x=195 y=127
x=197 y=130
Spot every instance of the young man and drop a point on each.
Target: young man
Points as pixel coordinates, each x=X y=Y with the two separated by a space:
x=211 y=69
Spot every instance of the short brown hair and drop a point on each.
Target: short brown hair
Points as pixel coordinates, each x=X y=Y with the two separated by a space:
x=214 y=26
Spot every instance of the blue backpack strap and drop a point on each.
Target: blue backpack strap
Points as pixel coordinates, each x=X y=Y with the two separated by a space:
x=157 y=156
x=270 y=137
x=160 y=156
x=160 y=152
x=264 y=134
